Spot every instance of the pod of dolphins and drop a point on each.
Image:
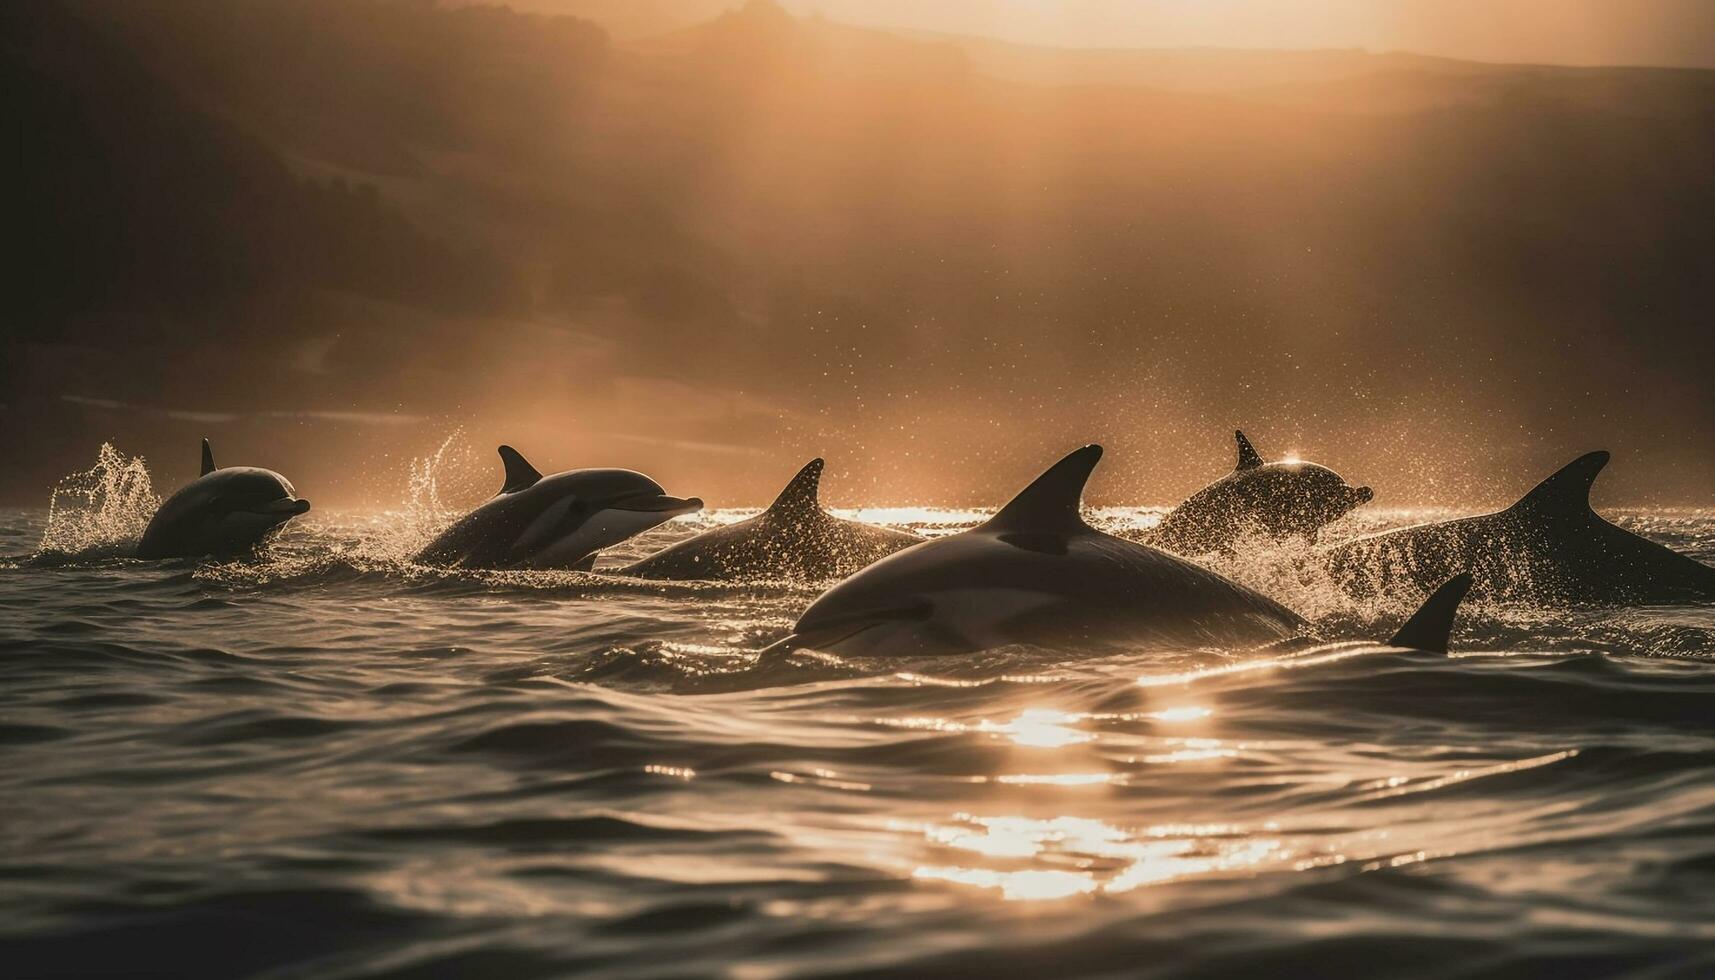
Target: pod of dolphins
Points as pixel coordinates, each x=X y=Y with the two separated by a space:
x=1034 y=573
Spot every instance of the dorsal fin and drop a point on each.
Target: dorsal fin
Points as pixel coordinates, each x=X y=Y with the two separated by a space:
x=800 y=497
x=1429 y=627
x=207 y=459
x=520 y=475
x=1249 y=458
x=1567 y=492
x=1051 y=502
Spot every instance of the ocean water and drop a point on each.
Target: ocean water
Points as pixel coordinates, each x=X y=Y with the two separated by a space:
x=331 y=763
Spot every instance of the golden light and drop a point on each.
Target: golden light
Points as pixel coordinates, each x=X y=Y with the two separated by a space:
x=1172 y=860
x=1015 y=885
x=820 y=777
x=1058 y=779
x=676 y=772
x=1191 y=750
x=1189 y=712
x=1040 y=728
x=1309 y=658
x=932 y=517
x=1133 y=858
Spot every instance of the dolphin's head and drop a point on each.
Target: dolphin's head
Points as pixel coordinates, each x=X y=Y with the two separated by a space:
x=596 y=509
x=897 y=606
x=223 y=512
x=1331 y=494
x=1289 y=496
x=251 y=490
x=1317 y=495
x=241 y=505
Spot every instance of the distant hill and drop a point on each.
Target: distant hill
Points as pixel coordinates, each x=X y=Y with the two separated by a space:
x=627 y=20
x=1192 y=69
x=134 y=197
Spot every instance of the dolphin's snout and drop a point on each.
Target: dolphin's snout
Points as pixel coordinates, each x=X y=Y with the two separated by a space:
x=659 y=503
x=1363 y=495
x=288 y=506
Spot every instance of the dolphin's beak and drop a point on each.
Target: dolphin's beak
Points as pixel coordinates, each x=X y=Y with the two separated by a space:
x=657 y=503
x=1362 y=495
x=285 y=506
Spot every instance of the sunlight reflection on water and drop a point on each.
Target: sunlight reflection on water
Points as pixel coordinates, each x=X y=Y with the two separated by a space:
x=1043 y=728
x=1107 y=858
x=543 y=763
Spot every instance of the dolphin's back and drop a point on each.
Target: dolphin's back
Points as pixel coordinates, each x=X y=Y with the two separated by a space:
x=794 y=539
x=1084 y=588
x=1036 y=573
x=811 y=548
x=1152 y=593
x=484 y=537
x=1549 y=547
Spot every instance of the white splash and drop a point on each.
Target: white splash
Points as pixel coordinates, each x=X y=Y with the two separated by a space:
x=104 y=509
x=439 y=487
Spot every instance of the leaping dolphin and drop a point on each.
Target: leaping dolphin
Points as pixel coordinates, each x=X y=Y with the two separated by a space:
x=794 y=539
x=1283 y=499
x=1550 y=547
x=223 y=512
x=1035 y=573
x=559 y=521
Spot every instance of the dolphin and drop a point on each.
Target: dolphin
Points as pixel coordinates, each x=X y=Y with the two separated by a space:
x=559 y=521
x=794 y=539
x=223 y=512
x=1035 y=573
x=1283 y=499
x=1550 y=547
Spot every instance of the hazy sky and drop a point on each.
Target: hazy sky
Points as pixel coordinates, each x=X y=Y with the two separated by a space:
x=1653 y=32
x=329 y=232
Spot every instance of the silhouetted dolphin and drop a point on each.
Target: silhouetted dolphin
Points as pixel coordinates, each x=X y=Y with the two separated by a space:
x=1550 y=547
x=1035 y=573
x=793 y=539
x=223 y=512
x=558 y=521
x=1284 y=499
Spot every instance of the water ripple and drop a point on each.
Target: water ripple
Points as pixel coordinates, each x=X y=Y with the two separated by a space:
x=330 y=762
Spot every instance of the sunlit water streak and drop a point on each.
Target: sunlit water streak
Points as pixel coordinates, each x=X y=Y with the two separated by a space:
x=333 y=763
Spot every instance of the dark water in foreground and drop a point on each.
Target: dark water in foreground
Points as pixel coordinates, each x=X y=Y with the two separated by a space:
x=333 y=764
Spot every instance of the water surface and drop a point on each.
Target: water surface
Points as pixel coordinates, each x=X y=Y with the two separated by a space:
x=332 y=763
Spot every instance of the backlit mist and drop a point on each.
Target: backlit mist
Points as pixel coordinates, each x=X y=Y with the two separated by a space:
x=935 y=243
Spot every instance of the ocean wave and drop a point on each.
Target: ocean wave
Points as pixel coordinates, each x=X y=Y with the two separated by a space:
x=329 y=761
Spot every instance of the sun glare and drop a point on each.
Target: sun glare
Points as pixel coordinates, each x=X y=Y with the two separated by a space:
x=1041 y=728
x=1131 y=858
x=1189 y=712
x=1015 y=885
